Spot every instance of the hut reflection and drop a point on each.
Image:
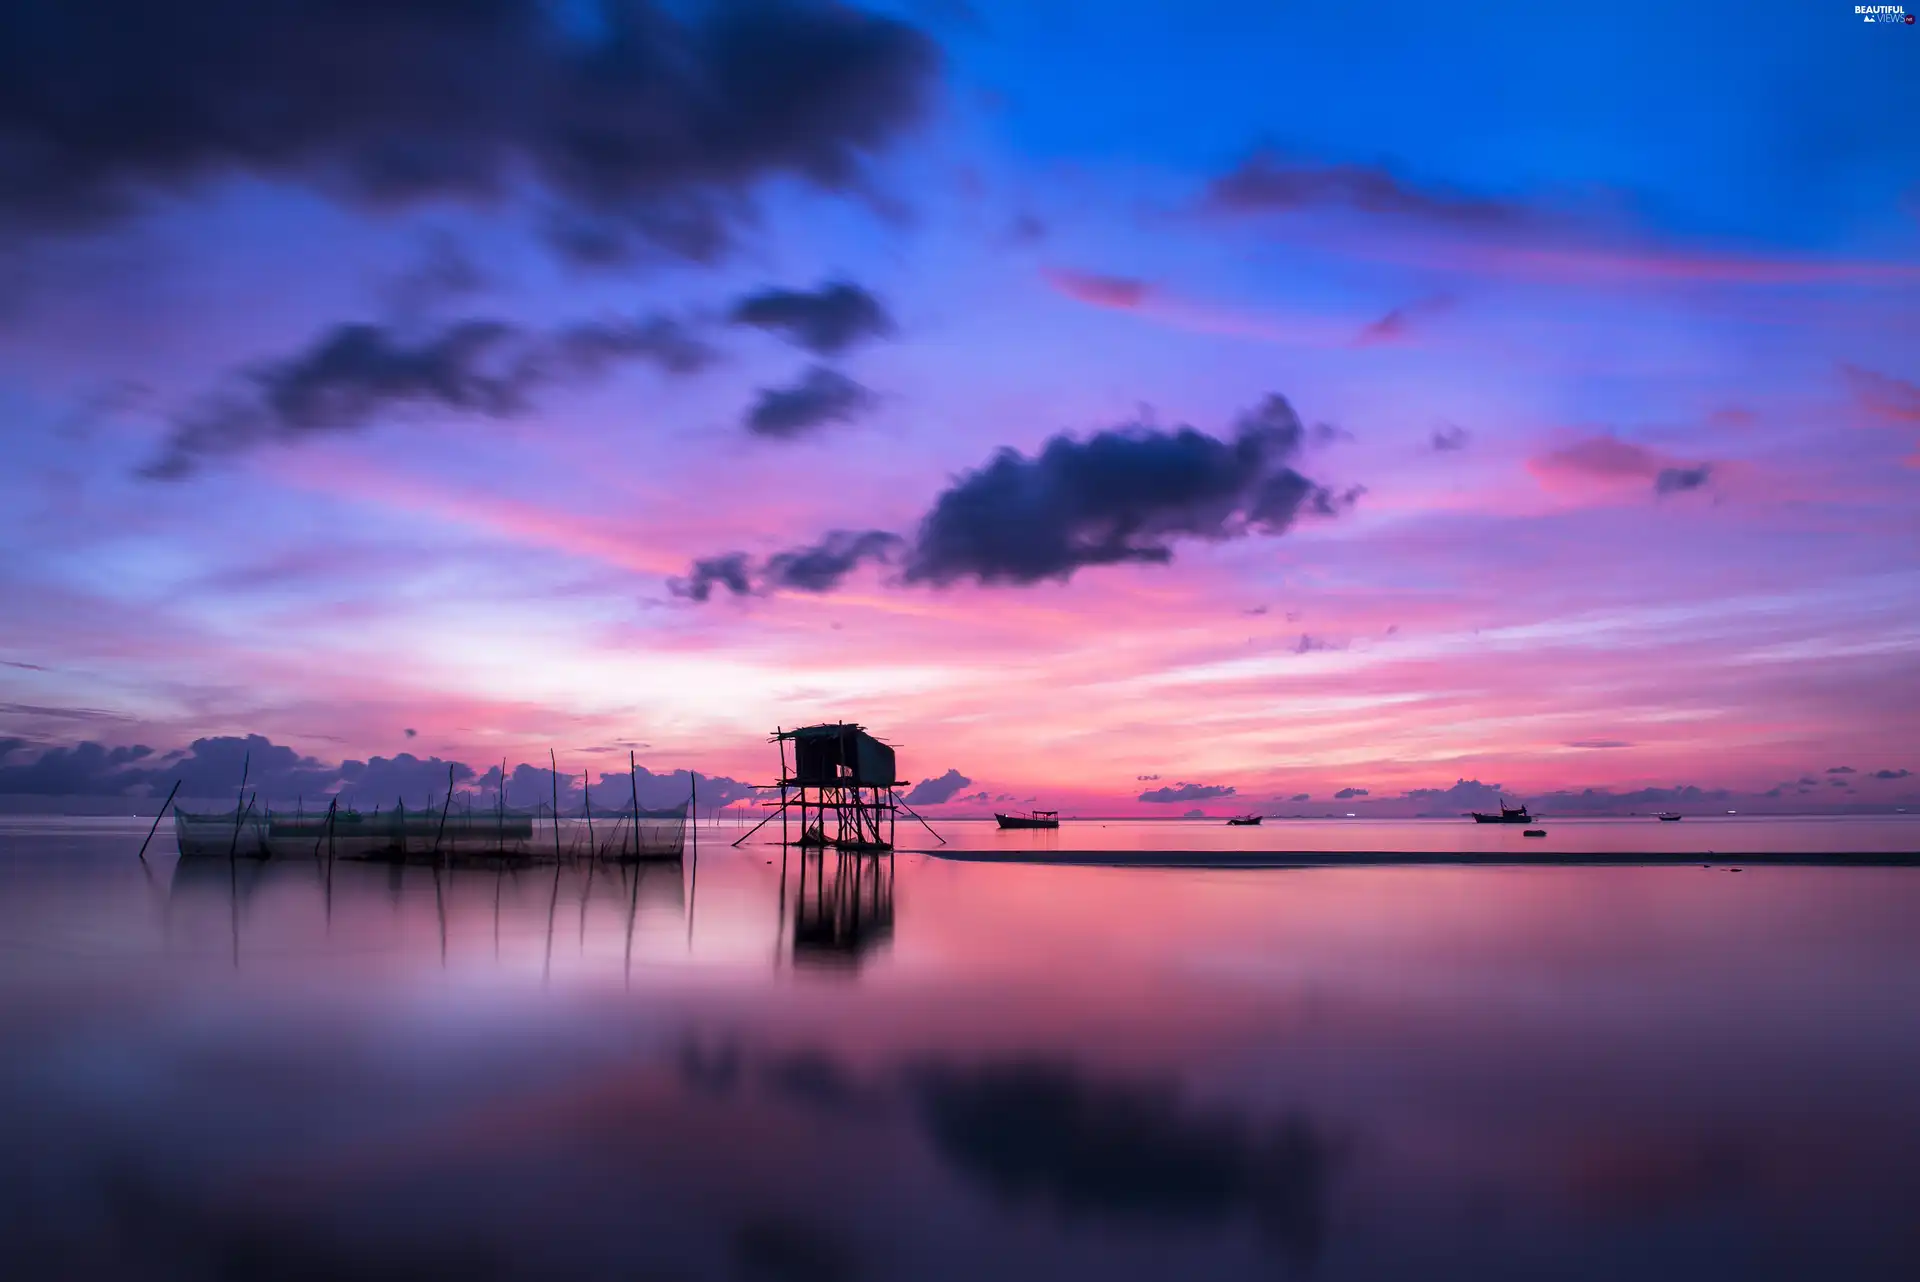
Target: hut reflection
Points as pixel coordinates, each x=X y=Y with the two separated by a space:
x=842 y=907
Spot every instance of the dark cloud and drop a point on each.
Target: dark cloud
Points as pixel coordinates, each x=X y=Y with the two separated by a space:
x=412 y=733
x=444 y=272
x=655 y=124
x=728 y=571
x=972 y=796
x=1678 y=480
x=1347 y=794
x=1598 y=743
x=818 y=567
x=405 y=777
x=1449 y=438
x=822 y=396
x=1044 y=1134
x=1122 y=495
x=821 y=566
x=1608 y=460
x=1302 y=796
x=1267 y=182
x=1146 y=778
x=1602 y=801
x=1892 y=774
x=1186 y=792
x=934 y=792
x=1312 y=645
x=1397 y=325
x=355 y=375
x=1838 y=783
x=212 y=768
x=1465 y=794
x=88 y=769
x=825 y=321
x=1840 y=770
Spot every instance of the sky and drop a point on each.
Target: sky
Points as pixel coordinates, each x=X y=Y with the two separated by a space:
x=1122 y=408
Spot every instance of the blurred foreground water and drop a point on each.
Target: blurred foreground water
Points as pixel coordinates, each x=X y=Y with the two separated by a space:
x=844 y=1067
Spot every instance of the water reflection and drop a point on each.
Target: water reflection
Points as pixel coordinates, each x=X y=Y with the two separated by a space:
x=271 y=903
x=1044 y=1131
x=842 y=907
x=1018 y=1073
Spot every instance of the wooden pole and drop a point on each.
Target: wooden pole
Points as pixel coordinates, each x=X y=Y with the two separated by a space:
x=593 y=862
x=633 y=909
x=779 y=814
x=553 y=774
x=246 y=767
x=331 y=805
x=443 y=814
x=923 y=823
x=586 y=794
x=156 y=820
x=693 y=884
x=633 y=781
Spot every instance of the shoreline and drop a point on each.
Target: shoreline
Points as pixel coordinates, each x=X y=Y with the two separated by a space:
x=1214 y=859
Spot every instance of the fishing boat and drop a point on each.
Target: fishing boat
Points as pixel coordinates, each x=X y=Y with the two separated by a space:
x=1244 y=821
x=1508 y=815
x=1032 y=819
x=1668 y=817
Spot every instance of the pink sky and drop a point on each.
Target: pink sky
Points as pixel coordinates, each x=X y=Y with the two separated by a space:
x=1632 y=443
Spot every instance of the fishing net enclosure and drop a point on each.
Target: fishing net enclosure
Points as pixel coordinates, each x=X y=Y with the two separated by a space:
x=424 y=834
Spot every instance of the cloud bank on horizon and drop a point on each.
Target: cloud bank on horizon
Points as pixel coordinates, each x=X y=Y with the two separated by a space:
x=531 y=375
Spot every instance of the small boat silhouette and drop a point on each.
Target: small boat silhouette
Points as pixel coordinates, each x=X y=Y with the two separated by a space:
x=1244 y=821
x=1668 y=817
x=1508 y=815
x=1034 y=819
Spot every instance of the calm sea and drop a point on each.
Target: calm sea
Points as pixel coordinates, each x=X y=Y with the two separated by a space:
x=752 y=1066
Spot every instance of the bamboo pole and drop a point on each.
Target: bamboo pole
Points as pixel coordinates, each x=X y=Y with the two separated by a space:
x=553 y=774
x=586 y=796
x=633 y=781
x=156 y=820
x=443 y=812
x=246 y=768
x=693 y=884
x=332 y=807
x=777 y=814
x=593 y=862
x=923 y=823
